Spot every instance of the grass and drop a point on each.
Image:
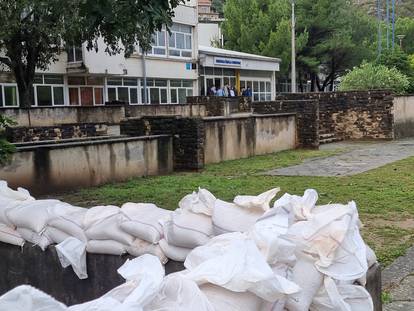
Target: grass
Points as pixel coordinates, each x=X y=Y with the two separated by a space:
x=384 y=196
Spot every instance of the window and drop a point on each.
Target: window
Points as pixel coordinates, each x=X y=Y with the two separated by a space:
x=85 y=91
x=48 y=90
x=123 y=89
x=74 y=54
x=261 y=89
x=180 y=41
x=8 y=95
x=157 y=90
x=179 y=90
x=159 y=43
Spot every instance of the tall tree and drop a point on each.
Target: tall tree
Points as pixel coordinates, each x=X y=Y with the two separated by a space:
x=33 y=32
x=332 y=35
x=405 y=26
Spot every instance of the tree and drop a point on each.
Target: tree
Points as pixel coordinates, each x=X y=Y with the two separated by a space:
x=6 y=149
x=332 y=35
x=370 y=76
x=217 y=6
x=34 y=32
x=405 y=26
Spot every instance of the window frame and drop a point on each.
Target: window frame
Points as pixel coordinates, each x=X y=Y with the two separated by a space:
x=123 y=85
x=52 y=86
x=3 y=95
x=185 y=34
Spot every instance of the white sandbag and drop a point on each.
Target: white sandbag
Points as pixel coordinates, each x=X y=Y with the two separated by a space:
x=297 y=208
x=143 y=276
x=249 y=271
x=35 y=215
x=6 y=205
x=140 y=247
x=109 y=229
x=10 y=236
x=268 y=233
x=341 y=297
x=180 y=293
x=109 y=247
x=27 y=298
x=72 y=252
x=20 y=195
x=261 y=201
x=174 y=252
x=55 y=235
x=188 y=229
x=309 y=279
x=228 y=217
x=40 y=240
x=144 y=221
x=201 y=202
x=224 y=299
x=71 y=224
x=98 y=213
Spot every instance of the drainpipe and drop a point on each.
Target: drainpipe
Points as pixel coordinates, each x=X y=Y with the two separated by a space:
x=144 y=71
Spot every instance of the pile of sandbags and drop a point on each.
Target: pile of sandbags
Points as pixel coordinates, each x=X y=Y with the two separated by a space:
x=188 y=226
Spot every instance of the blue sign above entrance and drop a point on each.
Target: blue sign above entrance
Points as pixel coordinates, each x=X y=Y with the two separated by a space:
x=224 y=61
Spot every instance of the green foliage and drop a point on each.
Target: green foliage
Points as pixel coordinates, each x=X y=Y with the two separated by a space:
x=32 y=32
x=218 y=5
x=405 y=26
x=331 y=35
x=370 y=76
x=6 y=149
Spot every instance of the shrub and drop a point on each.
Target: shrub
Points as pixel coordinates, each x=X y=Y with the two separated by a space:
x=6 y=148
x=369 y=76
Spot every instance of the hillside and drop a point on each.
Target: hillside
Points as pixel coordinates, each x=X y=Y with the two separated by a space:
x=403 y=7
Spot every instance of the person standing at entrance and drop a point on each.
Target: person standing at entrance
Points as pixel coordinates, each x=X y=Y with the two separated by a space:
x=220 y=92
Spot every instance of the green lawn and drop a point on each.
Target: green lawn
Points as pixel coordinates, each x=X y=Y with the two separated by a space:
x=385 y=196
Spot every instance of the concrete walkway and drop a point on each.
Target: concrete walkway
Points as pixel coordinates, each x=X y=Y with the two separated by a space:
x=398 y=281
x=356 y=158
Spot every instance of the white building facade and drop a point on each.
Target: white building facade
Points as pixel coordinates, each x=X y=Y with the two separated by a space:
x=173 y=70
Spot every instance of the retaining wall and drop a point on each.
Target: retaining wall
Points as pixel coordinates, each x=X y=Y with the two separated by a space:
x=221 y=106
x=53 y=167
x=404 y=116
x=352 y=115
x=229 y=138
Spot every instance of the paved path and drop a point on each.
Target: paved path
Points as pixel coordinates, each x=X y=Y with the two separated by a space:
x=398 y=280
x=358 y=157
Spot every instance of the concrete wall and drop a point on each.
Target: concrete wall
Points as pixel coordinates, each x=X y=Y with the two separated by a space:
x=403 y=116
x=58 y=167
x=51 y=116
x=241 y=137
x=183 y=110
x=221 y=106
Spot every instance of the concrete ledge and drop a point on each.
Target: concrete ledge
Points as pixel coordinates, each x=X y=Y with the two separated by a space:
x=30 y=265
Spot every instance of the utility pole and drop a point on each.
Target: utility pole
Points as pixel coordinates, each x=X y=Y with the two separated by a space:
x=379 y=27
x=388 y=24
x=293 y=65
x=393 y=23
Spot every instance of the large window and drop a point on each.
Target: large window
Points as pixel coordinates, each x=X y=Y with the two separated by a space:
x=261 y=90
x=157 y=91
x=85 y=91
x=48 y=90
x=74 y=54
x=179 y=90
x=8 y=95
x=180 y=41
x=159 y=43
x=123 y=89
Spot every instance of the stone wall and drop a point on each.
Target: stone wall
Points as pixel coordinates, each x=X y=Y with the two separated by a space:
x=404 y=116
x=65 y=131
x=307 y=118
x=221 y=106
x=352 y=115
x=52 y=167
x=187 y=133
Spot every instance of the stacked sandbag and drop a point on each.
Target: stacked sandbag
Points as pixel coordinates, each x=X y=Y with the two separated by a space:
x=189 y=226
x=103 y=229
x=68 y=225
x=31 y=219
x=242 y=214
x=234 y=275
x=8 y=200
x=144 y=222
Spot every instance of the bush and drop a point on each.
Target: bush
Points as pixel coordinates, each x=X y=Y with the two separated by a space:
x=6 y=148
x=375 y=77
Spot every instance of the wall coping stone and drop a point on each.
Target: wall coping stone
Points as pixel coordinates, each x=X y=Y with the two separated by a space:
x=254 y=115
x=64 y=145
